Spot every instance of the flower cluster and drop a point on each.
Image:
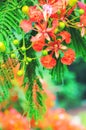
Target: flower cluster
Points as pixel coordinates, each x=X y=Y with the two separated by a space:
x=53 y=119
x=51 y=19
x=13 y=120
x=57 y=119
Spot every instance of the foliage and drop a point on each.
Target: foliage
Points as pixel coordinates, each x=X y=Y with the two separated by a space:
x=11 y=15
x=70 y=94
x=53 y=118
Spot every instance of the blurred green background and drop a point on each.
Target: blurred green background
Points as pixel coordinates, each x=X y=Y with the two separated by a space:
x=72 y=93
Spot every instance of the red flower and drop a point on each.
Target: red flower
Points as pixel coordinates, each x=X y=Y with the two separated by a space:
x=48 y=61
x=71 y=10
x=38 y=45
x=26 y=25
x=44 y=31
x=38 y=42
x=50 y=8
x=69 y=57
x=65 y=36
x=49 y=1
x=83 y=20
x=13 y=120
x=82 y=6
x=35 y=14
x=42 y=1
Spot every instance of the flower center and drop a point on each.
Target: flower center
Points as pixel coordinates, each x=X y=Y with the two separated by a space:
x=47 y=9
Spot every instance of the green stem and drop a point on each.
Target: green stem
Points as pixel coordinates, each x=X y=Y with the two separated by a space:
x=29 y=47
x=24 y=55
x=75 y=18
x=67 y=10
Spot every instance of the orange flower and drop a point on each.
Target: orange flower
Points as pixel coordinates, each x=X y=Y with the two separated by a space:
x=38 y=45
x=69 y=57
x=82 y=6
x=48 y=61
x=13 y=120
x=49 y=1
x=35 y=14
x=65 y=36
x=26 y=25
x=43 y=31
x=38 y=42
x=83 y=20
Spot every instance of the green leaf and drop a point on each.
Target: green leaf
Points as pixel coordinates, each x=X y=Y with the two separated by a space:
x=78 y=44
x=39 y=98
x=57 y=72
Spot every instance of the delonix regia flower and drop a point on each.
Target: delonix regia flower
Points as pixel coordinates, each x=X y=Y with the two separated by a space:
x=51 y=19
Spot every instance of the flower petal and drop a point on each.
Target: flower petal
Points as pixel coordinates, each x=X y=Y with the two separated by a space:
x=26 y=25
